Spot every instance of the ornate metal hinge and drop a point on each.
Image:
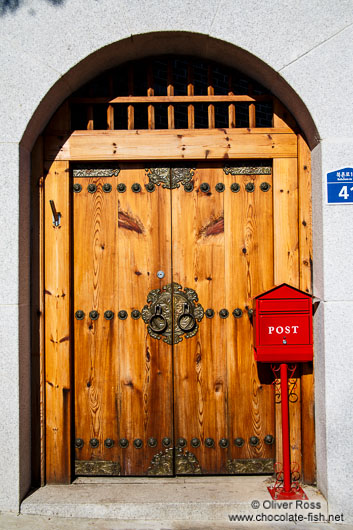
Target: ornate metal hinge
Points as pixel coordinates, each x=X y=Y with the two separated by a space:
x=159 y=318
x=170 y=178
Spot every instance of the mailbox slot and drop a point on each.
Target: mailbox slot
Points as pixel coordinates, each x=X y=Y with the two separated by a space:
x=284 y=306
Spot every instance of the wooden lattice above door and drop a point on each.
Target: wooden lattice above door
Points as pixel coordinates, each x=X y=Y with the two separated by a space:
x=170 y=92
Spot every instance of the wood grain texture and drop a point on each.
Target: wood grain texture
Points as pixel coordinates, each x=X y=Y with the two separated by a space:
x=210 y=92
x=286 y=269
x=110 y=108
x=37 y=318
x=170 y=92
x=305 y=216
x=231 y=108
x=207 y=244
x=57 y=326
x=250 y=254
x=117 y=254
x=130 y=108
x=218 y=393
x=305 y=268
x=94 y=284
x=285 y=210
x=200 y=369
x=189 y=98
x=150 y=92
x=146 y=362
x=191 y=92
x=110 y=117
x=164 y=144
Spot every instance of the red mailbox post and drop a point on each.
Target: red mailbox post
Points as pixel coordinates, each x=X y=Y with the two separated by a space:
x=283 y=332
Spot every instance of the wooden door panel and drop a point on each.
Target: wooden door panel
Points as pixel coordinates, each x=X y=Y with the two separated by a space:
x=249 y=259
x=94 y=247
x=200 y=376
x=223 y=249
x=57 y=326
x=219 y=243
x=145 y=384
x=123 y=388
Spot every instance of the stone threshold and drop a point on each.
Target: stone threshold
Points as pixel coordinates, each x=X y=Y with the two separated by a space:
x=166 y=499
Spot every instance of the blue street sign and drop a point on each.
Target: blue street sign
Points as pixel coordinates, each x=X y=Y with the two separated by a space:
x=340 y=186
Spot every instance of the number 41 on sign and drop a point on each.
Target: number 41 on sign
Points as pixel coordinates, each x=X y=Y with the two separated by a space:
x=340 y=186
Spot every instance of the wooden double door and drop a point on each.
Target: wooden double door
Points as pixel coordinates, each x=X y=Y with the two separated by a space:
x=166 y=259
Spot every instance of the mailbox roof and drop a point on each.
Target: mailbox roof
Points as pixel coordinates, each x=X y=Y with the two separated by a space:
x=283 y=291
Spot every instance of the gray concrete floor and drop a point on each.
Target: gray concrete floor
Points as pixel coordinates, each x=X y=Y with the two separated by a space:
x=160 y=504
x=164 y=499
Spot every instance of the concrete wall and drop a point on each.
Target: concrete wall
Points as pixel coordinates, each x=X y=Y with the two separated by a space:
x=300 y=50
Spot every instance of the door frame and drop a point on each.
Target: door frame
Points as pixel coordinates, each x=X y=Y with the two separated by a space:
x=51 y=160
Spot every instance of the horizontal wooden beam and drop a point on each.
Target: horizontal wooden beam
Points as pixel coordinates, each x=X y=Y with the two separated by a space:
x=172 y=99
x=167 y=144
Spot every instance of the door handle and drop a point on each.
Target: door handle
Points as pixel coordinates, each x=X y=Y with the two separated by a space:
x=158 y=317
x=191 y=322
x=157 y=314
x=56 y=215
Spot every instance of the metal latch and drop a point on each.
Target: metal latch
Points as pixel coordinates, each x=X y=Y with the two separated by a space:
x=56 y=215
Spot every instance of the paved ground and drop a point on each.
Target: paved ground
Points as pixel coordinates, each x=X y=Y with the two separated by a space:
x=200 y=503
x=35 y=522
x=175 y=499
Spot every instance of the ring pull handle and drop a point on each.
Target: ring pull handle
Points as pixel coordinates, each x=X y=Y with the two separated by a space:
x=158 y=317
x=191 y=322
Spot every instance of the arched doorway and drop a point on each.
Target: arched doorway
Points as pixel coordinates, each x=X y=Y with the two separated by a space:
x=183 y=190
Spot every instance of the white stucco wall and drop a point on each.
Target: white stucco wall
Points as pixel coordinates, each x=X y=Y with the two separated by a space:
x=45 y=54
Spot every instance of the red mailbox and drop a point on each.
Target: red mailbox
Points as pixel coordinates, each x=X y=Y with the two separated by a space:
x=283 y=333
x=283 y=329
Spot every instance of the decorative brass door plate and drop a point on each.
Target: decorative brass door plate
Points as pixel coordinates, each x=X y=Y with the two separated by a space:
x=159 y=317
x=92 y=170
x=186 y=463
x=97 y=467
x=170 y=178
x=251 y=466
x=243 y=168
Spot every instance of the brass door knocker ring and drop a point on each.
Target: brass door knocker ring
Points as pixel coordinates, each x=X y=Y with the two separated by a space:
x=191 y=323
x=158 y=317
